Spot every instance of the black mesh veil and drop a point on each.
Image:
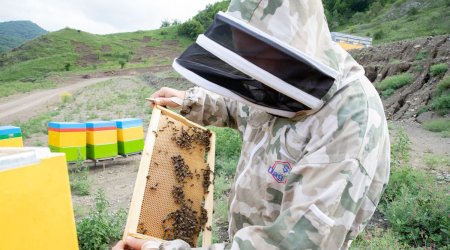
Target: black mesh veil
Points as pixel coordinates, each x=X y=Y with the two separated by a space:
x=250 y=47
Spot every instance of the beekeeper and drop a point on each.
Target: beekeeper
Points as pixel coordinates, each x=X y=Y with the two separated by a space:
x=315 y=144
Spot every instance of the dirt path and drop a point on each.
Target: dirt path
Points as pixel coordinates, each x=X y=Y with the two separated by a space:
x=423 y=142
x=24 y=106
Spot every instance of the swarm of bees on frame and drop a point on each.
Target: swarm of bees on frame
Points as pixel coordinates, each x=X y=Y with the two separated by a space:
x=185 y=223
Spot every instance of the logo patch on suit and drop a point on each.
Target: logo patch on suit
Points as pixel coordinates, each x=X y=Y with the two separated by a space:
x=280 y=171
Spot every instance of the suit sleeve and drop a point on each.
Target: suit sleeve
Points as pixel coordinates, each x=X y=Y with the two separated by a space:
x=207 y=108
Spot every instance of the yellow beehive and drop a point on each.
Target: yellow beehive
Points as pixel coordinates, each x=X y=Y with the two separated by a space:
x=35 y=202
x=128 y=134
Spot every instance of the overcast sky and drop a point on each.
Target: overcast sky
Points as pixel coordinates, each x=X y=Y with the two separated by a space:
x=100 y=16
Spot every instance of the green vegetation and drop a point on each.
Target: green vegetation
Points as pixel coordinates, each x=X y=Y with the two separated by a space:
x=441 y=99
x=389 y=84
x=440 y=126
x=37 y=124
x=101 y=227
x=70 y=51
x=438 y=69
x=79 y=179
x=415 y=205
x=377 y=239
x=434 y=161
x=200 y=22
x=228 y=148
x=14 y=33
x=388 y=20
x=16 y=87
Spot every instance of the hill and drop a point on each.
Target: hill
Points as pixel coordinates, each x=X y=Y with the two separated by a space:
x=412 y=76
x=69 y=51
x=389 y=20
x=14 y=33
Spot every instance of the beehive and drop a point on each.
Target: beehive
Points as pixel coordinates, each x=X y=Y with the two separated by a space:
x=153 y=205
x=101 y=139
x=36 y=208
x=130 y=135
x=68 y=138
x=10 y=136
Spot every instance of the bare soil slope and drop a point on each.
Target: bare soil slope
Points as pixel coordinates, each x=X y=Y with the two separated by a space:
x=411 y=56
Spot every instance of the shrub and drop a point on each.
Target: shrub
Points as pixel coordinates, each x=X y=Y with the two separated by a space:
x=443 y=85
x=190 y=29
x=67 y=66
x=438 y=69
x=395 y=82
x=378 y=35
x=412 y=12
x=441 y=104
x=100 y=227
x=79 y=179
x=122 y=64
x=420 y=217
x=417 y=208
x=388 y=92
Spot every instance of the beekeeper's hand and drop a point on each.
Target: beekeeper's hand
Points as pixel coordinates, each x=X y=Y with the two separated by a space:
x=131 y=243
x=167 y=97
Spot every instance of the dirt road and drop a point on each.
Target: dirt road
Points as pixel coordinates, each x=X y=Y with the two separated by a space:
x=23 y=106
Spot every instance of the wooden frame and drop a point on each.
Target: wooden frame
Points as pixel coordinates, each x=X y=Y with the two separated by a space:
x=137 y=200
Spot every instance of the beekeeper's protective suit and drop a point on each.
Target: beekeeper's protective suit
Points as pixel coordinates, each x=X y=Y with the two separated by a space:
x=315 y=154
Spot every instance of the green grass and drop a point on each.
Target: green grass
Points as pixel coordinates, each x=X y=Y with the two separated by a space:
x=16 y=87
x=434 y=161
x=390 y=84
x=63 y=52
x=438 y=126
x=430 y=19
x=37 y=124
x=438 y=69
x=228 y=148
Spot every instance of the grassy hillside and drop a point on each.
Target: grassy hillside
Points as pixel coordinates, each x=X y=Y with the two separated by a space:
x=14 y=33
x=398 y=20
x=72 y=51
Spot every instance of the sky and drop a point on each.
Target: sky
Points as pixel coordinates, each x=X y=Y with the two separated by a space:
x=100 y=16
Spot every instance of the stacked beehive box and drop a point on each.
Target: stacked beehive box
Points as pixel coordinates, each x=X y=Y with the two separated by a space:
x=10 y=136
x=68 y=138
x=130 y=135
x=101 y=139
x=35 y=205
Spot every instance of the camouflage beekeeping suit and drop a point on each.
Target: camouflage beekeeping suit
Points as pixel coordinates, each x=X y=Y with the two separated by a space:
x=312 y=181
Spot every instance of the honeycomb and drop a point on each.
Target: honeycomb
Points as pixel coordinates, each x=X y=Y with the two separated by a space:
x=173 y=202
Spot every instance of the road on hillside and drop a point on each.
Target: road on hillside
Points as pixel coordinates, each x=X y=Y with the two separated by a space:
x=24 y=106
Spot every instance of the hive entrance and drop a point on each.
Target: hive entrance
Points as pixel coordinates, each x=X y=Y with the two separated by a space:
x=173 y=195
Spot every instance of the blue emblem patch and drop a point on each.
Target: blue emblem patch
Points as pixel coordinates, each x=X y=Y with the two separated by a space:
x=280 y=171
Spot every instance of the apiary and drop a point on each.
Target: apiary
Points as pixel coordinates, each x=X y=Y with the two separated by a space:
x=130 y=135
x=36 y=208
x=68 y=138
x=172 y=198
x=10 y=136
x=101 y=140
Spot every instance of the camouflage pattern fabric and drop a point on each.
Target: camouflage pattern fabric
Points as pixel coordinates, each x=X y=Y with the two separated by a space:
x=314 y=181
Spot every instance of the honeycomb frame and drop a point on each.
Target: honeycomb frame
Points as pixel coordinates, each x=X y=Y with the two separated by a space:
x=152 y=198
